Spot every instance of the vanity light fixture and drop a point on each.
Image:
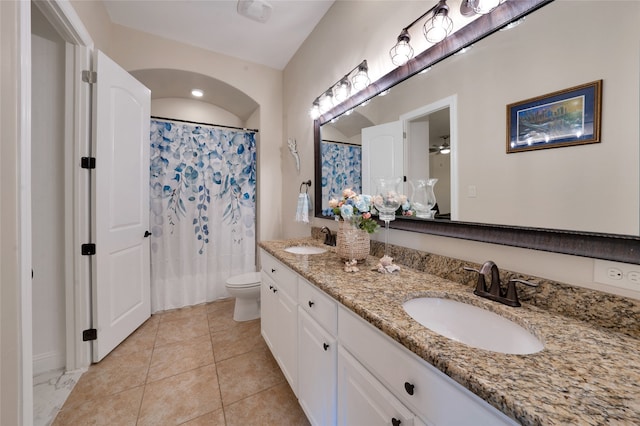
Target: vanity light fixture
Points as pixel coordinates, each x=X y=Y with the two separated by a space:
x=352 y=82
x=197 y=93
x=435 y=29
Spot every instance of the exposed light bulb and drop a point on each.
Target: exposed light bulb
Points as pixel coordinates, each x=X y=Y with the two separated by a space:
x=342 y=90
x=326 y=102
x=402 y=51
x=314 y=112
x=361 y=79
x=197 y=93
x=440 y=25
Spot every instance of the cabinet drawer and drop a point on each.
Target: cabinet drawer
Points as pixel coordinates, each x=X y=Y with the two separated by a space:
x=428 y=392
x=321 y=307
x=285 y=278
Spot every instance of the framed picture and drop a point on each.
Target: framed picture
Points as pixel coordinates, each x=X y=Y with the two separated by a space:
x=564 y=118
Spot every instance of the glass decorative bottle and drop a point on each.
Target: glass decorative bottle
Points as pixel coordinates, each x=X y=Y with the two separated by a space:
x=387 y=200
x=423 y=199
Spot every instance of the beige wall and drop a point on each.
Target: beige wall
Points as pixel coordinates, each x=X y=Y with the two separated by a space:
x=10 y=285
x=96 y=19
x=190 y=110
x=351 y=32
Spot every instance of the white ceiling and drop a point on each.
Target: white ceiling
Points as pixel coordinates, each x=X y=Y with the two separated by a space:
x=215 y=25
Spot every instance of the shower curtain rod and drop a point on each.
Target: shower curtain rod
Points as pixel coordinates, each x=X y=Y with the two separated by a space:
x=205 y=124
x=342 y=143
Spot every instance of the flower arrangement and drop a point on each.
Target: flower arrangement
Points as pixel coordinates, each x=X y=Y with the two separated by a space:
x=355 y=208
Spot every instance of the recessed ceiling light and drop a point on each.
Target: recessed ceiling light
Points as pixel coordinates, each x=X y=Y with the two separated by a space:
x=197 y=93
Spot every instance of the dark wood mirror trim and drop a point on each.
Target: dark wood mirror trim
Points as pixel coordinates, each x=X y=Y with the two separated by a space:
x=619 y=248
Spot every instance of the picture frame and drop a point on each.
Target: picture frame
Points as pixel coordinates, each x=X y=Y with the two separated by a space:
x=564 y=118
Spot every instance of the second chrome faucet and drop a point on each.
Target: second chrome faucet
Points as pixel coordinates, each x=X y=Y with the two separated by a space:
x=495 y=291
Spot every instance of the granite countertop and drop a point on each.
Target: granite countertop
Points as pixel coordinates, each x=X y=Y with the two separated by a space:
x=585 y=375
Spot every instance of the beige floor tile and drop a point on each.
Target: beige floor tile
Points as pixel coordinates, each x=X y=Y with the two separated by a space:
x=222 y=319
x=183 y=313
x=174 y=358
x=237 y=340
x=142 y=339
x=120 y=409
x=215 y=418
x=247 y=374
x=221 y=304
x=182 y=329
x=180 y=398
x=274 y=406
x=112 y=375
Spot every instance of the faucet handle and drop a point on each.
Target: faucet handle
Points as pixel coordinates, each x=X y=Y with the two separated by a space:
x=481 y=285
x=511 y=298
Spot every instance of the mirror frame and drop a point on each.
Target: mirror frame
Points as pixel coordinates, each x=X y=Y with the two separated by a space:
x=614 y=247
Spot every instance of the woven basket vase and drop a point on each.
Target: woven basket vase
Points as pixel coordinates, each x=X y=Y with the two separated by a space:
x=351 y=242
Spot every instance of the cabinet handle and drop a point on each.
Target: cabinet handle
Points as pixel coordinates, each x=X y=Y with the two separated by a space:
x=275 y=290
x=270 y=287
x=311 y=303
x=273 y=271
x=325 y=346
x=409 y=388
x=395 y=422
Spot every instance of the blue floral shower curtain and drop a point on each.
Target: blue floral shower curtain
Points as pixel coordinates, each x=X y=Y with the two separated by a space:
x=341 y=168
x=203 y=182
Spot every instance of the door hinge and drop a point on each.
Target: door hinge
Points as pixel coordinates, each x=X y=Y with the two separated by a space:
x=90 y=77
x=88 y=162
x=89 y=334
x=404 y=135
x=88 y=249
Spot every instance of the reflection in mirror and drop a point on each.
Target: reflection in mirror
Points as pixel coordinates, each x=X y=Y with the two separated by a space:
x=507 y=200
x=592 y=188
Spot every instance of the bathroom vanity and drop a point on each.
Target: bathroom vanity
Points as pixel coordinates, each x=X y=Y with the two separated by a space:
x=352 y=355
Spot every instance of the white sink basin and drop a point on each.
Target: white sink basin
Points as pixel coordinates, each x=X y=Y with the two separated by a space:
x=305 y=250
x=472 y=326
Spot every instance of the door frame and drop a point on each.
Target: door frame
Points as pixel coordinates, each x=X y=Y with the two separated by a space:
x=452 y=103
x=66 y=21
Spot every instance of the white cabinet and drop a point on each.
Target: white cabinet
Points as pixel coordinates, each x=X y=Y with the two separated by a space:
x=345 y=371
x=364 y=400
x=317 y=371
x=279 y=314
x=317 y=353
x=425 y=390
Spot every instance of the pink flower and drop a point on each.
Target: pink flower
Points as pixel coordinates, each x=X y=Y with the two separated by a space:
x=348 y=193
x=333 y=203
x=366 y=215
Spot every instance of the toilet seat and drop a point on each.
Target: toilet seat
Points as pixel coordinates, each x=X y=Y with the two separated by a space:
x=250 y=279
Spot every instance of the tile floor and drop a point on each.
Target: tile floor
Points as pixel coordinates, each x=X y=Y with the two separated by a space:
x=192 y=366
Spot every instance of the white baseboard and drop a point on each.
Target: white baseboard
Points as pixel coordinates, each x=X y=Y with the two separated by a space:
x=47 y=361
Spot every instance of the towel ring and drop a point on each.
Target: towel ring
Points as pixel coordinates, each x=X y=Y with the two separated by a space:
x=307 y=183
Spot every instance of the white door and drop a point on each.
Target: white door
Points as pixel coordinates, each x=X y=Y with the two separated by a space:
x=121 y=275
x=382 y=154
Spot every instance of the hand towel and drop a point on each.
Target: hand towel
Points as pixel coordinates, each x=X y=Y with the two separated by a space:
x=304 y=205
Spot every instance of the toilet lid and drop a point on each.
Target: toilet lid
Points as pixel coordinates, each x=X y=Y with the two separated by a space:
x=250 y=279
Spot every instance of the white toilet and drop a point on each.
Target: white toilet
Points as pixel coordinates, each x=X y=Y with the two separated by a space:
x=246 y=289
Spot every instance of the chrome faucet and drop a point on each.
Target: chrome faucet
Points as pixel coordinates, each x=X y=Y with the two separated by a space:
x=495 y=291
x=329 y=239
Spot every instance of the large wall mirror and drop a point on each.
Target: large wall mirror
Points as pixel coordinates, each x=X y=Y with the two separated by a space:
x=582 y=200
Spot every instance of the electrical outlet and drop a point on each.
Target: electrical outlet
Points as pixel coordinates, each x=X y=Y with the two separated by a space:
x=617 y=274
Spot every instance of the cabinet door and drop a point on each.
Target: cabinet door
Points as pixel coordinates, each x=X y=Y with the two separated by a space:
x=268 y=313
x=286 y=328
x=317 y=371
x=363 y=400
